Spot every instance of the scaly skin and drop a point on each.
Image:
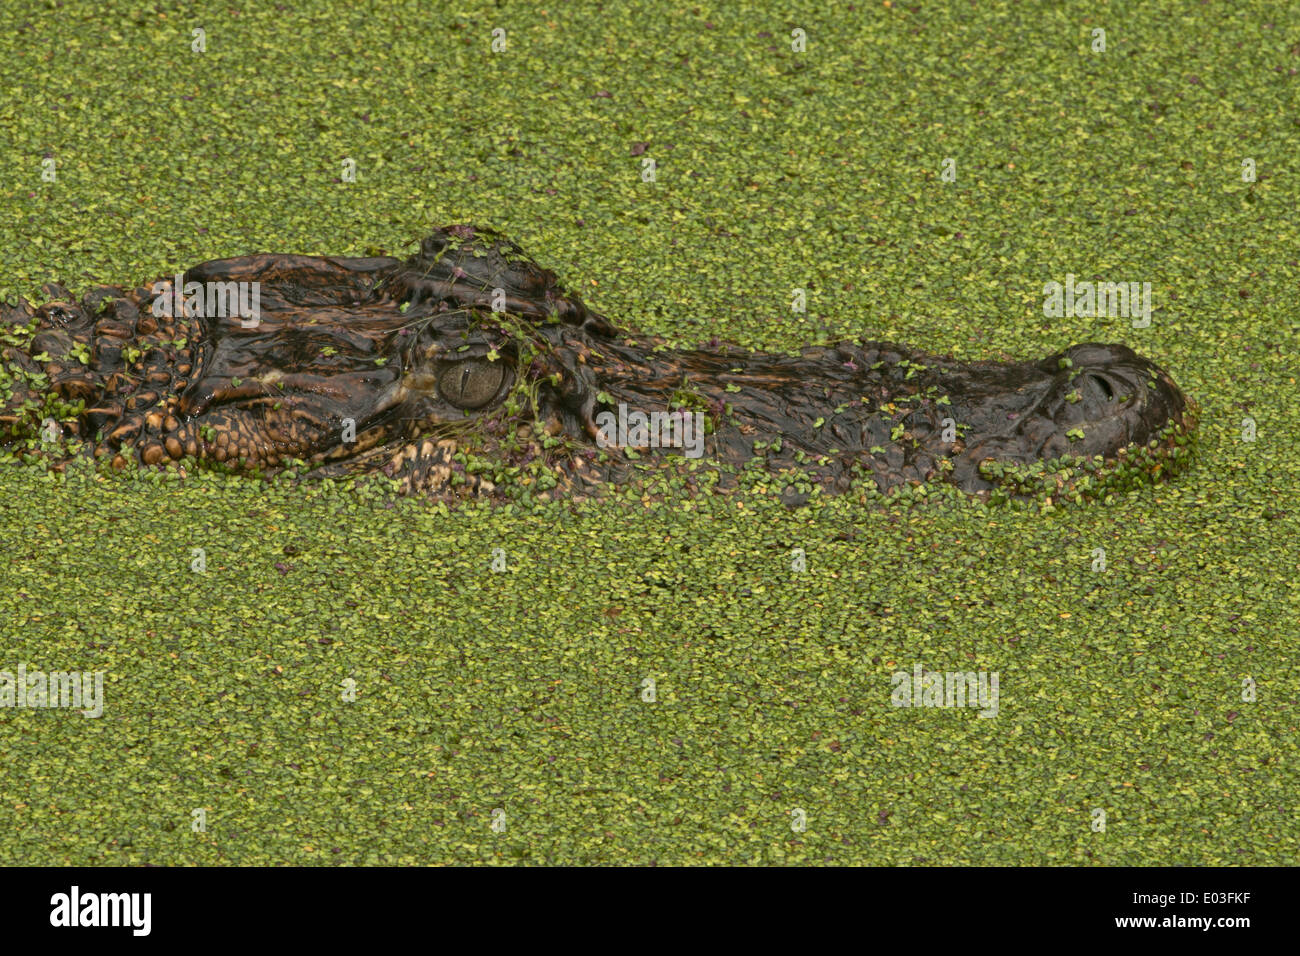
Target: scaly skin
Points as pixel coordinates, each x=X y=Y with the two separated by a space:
x=412 y=353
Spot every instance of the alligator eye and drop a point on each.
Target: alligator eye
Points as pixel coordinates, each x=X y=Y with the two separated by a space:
x=471 y=384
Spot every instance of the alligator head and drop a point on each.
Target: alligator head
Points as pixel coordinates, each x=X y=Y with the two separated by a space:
x=468 y=352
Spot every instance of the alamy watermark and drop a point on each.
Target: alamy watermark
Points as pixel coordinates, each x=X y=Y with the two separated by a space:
x=636 y=429
x=209 y=299
x=923 y=688
x=83 y=690
x=1091 y=299
x=75 y=908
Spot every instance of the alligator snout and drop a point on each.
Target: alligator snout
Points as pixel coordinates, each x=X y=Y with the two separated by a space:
x=1108 y=397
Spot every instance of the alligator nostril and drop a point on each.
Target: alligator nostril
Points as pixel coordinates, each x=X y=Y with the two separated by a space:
x=1105 y=387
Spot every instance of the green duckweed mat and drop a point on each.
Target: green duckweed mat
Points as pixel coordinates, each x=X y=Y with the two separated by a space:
x=328 y=675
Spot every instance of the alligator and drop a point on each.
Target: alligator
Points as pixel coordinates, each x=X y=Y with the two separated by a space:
x=467 y=362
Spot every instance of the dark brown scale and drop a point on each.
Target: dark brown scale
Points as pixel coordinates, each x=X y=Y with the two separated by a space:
x=125 y=311
x=142 y=400
x=128 y=430
x=113 y=330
